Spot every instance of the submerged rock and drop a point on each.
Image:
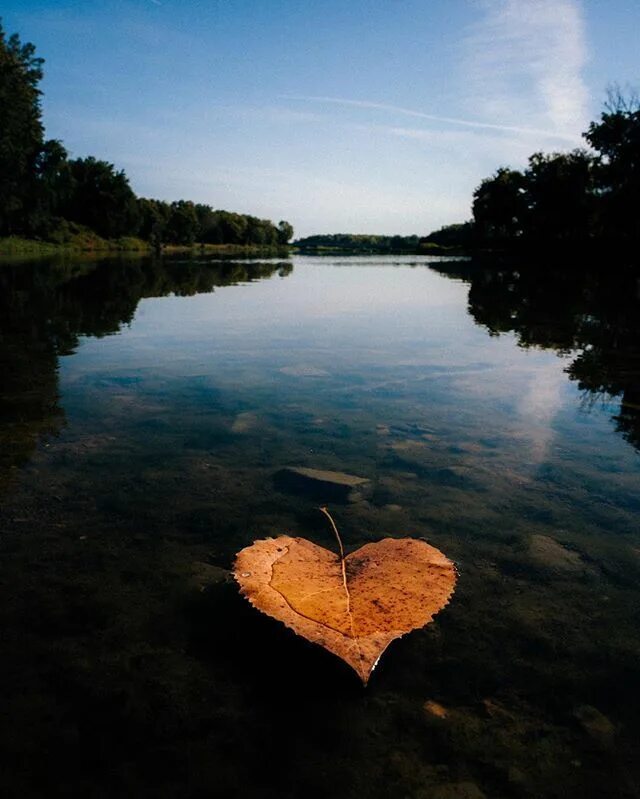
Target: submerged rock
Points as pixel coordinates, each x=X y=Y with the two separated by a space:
x=596 y=725
x=323 y=484
x=458 y=790
x=547 y=552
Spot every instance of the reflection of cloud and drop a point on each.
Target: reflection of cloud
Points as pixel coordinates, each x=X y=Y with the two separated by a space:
x=538 y=408
x=529 y=395
x=524 y=62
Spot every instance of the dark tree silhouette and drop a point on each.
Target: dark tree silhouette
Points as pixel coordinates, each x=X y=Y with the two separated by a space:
x=616 y=138
x=21 y=130
x=576 y=197
x=285 y=232
x=559 y=194
x=100 y=198
x=499 y=206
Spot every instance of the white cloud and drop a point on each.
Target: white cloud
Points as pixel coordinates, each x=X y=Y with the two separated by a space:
x=523 y=64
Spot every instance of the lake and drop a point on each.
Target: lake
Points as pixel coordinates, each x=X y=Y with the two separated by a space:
x=147 y=409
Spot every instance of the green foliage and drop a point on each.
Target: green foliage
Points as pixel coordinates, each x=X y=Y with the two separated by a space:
x=100 y=198
x=69 y=238
x=154 y=216
x=285 y=232
x=184 y=223
x=460 y=235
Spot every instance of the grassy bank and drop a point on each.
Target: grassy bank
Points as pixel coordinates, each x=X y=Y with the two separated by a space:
x=87 y=243
x=80 y=242
x=240 y=250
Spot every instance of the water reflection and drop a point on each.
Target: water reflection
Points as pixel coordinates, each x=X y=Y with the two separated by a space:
x=46 y=306
x=131 y=666
x=593 y=314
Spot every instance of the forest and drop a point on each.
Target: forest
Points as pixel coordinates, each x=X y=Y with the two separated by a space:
x=583 y=197
x=45 y=194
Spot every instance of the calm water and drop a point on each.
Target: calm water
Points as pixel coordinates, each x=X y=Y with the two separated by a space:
x=146 y=409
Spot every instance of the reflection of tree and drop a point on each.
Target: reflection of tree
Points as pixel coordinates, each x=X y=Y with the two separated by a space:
x=585 y=312
x=45 y=307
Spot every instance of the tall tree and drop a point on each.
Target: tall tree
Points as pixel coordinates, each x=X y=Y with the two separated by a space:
x=499 y=206
x=285 y=232
x=154 y=216
x=560 y=196
x=616 y=138
x=21 y=131
x=182 y=225
x=100 y=198
x=52 y=187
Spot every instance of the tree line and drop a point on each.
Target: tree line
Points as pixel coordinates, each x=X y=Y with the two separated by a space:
x=43 y=192
x=580 y=197
x=360 y=243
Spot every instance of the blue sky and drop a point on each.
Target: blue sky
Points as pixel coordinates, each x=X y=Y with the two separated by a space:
x=359 y=116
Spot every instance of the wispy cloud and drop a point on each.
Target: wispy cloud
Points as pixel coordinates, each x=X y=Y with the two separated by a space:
x=442 y=120
x=521 y=82
x=523 y=61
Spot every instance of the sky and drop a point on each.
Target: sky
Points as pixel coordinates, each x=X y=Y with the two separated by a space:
x=360 y=116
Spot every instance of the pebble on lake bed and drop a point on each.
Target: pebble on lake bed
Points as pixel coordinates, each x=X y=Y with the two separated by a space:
x=457 y=790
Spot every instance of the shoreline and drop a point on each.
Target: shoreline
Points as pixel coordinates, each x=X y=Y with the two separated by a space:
x=20 y=247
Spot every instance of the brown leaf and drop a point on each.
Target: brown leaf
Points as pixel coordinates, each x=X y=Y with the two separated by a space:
x=353 y=606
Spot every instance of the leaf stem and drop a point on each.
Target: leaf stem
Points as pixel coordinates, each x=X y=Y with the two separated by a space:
x=335 y=530
x=343 y=566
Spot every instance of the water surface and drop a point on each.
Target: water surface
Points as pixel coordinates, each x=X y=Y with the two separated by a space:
x=146 y=410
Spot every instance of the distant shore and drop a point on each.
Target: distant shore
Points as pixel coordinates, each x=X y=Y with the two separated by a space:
x=422 y=249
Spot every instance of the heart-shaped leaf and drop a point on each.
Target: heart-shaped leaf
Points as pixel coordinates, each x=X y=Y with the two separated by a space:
x=354 y=606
